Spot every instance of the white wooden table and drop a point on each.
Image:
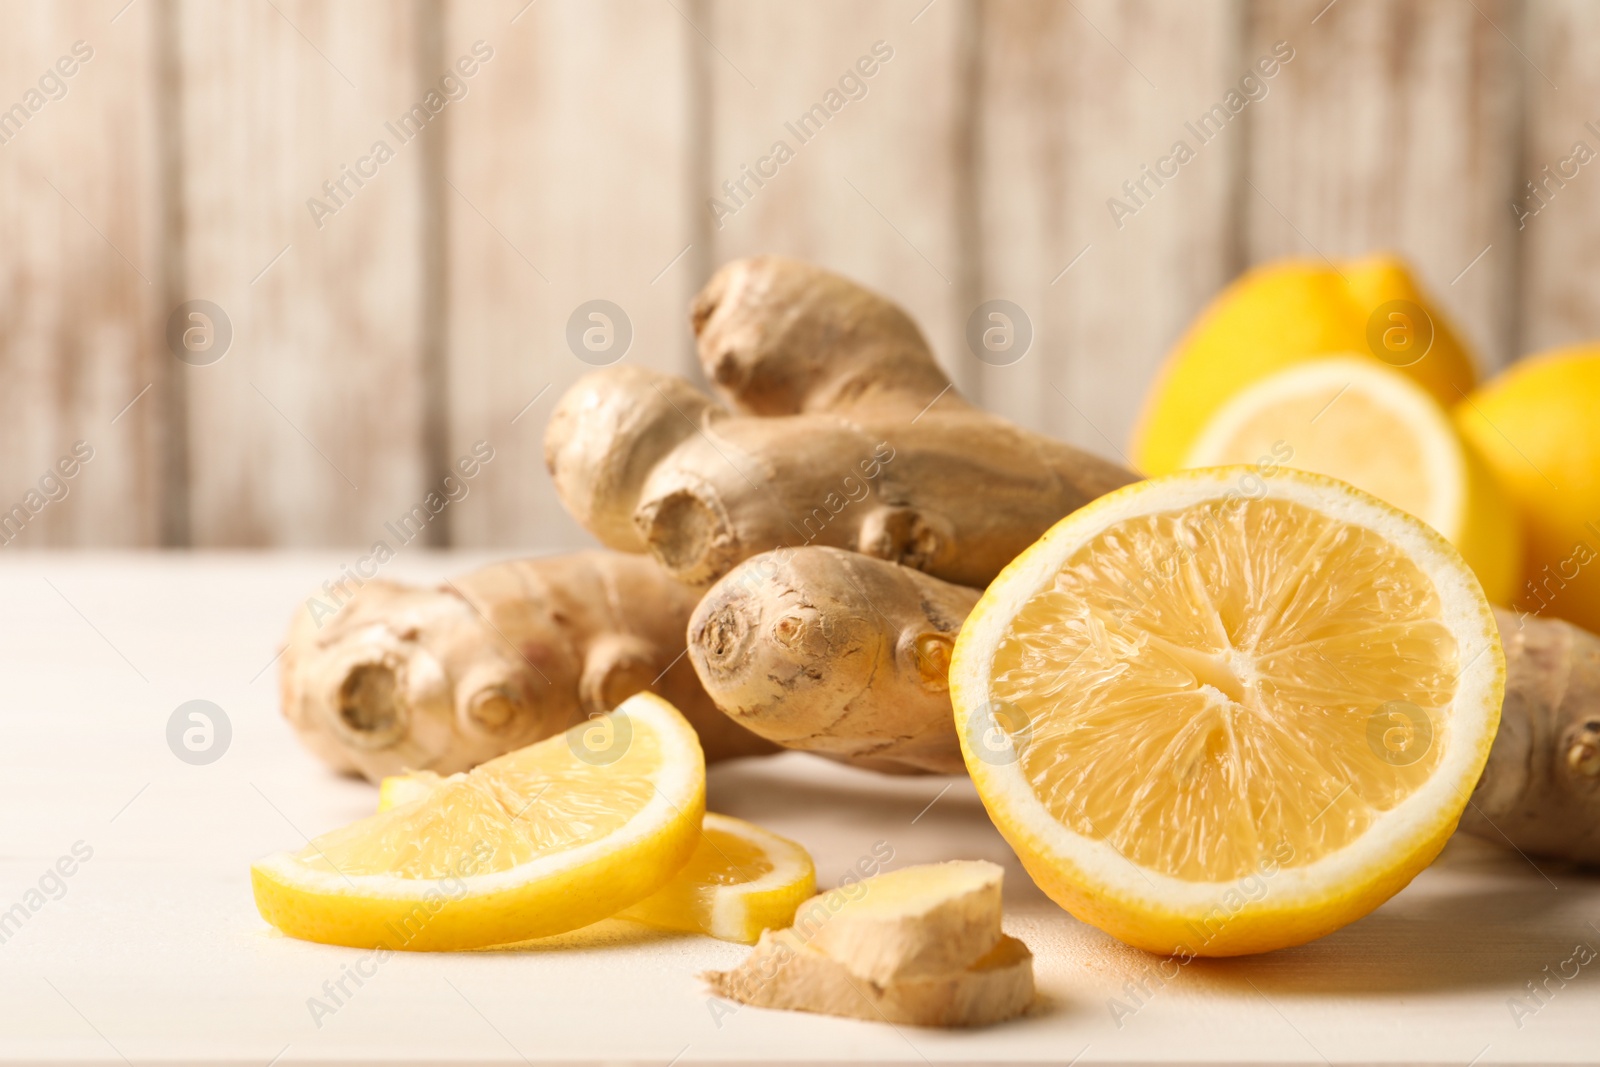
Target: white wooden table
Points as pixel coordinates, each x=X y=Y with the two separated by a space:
x=152 y=951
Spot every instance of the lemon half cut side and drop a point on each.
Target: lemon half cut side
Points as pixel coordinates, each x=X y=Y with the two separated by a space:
x=1243 y=711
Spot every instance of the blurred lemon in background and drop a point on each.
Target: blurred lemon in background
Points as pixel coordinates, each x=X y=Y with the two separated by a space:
x=1353 y=418
x=1538 y=426
x=1283 y=313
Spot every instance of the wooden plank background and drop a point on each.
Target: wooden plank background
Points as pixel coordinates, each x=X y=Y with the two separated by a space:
x=376 y=343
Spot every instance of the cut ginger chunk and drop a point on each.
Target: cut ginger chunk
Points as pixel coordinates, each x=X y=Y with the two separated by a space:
x=785 y=972
x=921 y=945
x=917 y=920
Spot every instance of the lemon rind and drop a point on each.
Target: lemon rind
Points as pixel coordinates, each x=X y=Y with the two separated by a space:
x=792 y=867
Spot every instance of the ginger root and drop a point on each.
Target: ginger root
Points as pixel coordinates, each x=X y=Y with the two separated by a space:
x=920 y=945
x=836 y=653
x=409 y=678
x=840 y=429
x=813 y=649
x=1541 y=788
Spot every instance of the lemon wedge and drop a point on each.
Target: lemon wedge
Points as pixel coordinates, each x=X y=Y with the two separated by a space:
x=540 y=841
x=1355 y=419
x=1216 y=714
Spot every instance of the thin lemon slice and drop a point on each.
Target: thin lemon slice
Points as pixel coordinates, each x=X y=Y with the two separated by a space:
x=1358 y=420
x=740 y=881
x=1216 y=714
x=543 y=840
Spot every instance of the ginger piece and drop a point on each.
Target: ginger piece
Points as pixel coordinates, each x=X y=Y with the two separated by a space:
x=839 y=429
x=835 y=653
x=1541 y=788
x=409 y=678
x=785 y=972
x=919 y=945
x=838 y=691
x=929 y=919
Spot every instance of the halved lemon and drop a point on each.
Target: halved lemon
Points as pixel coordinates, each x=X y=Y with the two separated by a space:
x=1216 y=714
x=540 y=841
x=740 y=880
x=1358 y=420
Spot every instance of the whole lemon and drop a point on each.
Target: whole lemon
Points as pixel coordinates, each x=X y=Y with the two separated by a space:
x=1286 y=311
x=1538 y=427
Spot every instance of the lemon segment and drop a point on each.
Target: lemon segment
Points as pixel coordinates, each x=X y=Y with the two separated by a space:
x=540 y=841
x=1282 y=313
x=740 y=881
x=1232 y=722
x=1538 y=426
x=1352 y=418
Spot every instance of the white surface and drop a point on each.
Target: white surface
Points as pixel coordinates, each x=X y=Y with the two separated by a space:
x=155 y=951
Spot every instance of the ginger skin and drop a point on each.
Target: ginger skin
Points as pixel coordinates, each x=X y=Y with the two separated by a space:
x=411 y=678
x=846 y=687
x=839 y=429
x=836 y=653
x=1541 y=788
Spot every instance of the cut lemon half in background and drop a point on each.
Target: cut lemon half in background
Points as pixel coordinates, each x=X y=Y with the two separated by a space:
x=1215 y=715
x=1358 y=420
x=740 y=880
x=540 y=841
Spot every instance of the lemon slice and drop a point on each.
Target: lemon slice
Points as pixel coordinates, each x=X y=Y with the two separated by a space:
x=1213 y=723
x=740 y=880
x=542 y=840
x=1358 y=420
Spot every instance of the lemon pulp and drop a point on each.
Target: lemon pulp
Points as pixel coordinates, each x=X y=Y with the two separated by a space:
x=1240 y=653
